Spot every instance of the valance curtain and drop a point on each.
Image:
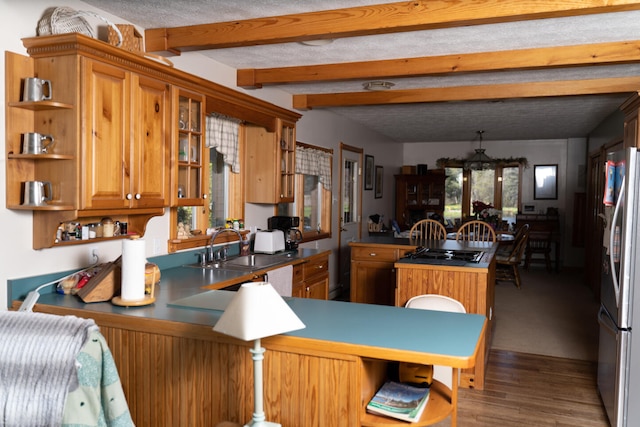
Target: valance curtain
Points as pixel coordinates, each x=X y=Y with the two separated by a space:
x=314 y=162
x=222 y=134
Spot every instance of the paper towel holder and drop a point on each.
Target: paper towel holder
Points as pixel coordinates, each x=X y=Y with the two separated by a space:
x=148 y=298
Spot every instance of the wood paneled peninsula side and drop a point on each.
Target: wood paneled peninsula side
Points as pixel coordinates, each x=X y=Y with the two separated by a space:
x=176 y=370
x=380 y=275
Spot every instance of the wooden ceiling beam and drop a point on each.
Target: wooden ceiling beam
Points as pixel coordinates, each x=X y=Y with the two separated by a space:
x=624 y=52
x=387 y=18
x=469 y=93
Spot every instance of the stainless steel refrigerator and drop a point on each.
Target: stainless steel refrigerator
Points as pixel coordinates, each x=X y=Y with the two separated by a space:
x=619 y=354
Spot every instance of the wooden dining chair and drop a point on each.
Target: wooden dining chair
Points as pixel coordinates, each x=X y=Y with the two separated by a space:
x=426 y=229
x=539 y=243
x=438 y=302
x=476 y=231
x=508 y=266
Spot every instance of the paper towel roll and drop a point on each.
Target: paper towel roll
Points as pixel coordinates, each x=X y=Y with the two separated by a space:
x=133 y=266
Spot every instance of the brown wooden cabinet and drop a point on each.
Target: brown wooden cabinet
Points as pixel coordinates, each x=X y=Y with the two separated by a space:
x=189 y=186
x=419 y=197
x=311 y=279
x=473 y=287
x=270 y=163
x=55 y=117
x=373 y=276
x=115 y=117
x=125 y=148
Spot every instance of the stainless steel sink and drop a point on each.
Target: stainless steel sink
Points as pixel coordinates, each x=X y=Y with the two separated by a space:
x=258 y=260
x=247 y=263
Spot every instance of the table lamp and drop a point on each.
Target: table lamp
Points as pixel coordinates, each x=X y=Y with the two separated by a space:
x=257 y=311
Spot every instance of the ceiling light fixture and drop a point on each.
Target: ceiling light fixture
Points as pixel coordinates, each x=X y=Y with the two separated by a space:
x=318 y=42
x=378 y=85
x=479 y=160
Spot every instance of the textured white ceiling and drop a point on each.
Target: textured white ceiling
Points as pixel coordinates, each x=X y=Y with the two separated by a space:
x=512 y=119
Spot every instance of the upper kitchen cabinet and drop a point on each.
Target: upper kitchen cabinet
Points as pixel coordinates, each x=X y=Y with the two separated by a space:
x=125 y=148
x=124 y=135
x=270 y=163
x=188 y=187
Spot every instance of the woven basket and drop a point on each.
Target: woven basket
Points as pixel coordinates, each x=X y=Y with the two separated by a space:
x=61 y=20
x=130 y=38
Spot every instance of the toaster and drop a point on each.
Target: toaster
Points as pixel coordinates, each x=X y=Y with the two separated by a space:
x=269 y=242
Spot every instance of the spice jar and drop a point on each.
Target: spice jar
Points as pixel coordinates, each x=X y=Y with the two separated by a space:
x=108 y=227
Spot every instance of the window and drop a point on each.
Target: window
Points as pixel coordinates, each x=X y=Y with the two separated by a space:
x=453 y=194
x=218 y=206
x=312 y=194
x=500 y=187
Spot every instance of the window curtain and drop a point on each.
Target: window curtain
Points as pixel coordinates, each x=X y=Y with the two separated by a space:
x=314 y=162
x=222 y=134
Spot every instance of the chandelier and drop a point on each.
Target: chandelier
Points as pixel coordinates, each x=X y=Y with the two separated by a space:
x=479 y=160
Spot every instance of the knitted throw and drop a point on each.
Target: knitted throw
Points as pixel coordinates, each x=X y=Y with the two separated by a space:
x=37 y=365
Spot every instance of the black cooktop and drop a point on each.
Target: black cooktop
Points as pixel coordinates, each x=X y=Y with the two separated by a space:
x=445 y=255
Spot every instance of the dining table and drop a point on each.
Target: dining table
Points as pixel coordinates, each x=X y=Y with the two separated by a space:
x=500 y=237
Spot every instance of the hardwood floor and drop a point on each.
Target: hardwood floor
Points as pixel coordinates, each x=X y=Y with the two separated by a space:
x=531 y=390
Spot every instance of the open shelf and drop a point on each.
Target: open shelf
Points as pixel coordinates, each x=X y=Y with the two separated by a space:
x=42 y=156
x=47 y=207
x=39 y=105
x=438 y=408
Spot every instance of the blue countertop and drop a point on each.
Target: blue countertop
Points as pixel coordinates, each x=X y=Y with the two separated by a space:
x=408 y=333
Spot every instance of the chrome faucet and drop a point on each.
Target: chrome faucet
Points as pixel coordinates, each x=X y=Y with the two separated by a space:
x=215 y=234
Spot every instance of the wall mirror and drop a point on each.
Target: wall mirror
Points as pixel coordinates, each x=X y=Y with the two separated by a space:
x=545 y=182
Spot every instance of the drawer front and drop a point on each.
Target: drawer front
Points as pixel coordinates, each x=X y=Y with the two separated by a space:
x=374 y=254
x=316 y=266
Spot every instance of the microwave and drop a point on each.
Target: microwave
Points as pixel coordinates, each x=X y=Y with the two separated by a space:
x=283 y=222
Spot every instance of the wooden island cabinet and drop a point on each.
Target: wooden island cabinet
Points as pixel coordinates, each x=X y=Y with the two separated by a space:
x=473 y=287
x=175 y=370
x=373 y=275
x=380 y=275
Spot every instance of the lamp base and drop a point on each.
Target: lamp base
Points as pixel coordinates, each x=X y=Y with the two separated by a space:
x=262 y=424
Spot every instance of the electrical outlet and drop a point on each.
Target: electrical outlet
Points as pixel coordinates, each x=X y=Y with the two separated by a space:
x=93 y=256
x=157 y=246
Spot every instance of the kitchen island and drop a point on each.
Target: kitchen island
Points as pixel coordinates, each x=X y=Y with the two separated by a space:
x=176 y=370
x=380 y=274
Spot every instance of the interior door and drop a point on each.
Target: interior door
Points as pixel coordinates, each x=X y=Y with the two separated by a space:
x=350 y=211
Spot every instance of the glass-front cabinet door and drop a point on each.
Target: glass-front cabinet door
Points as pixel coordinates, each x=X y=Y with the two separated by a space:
x=287 y=161
x=188 y=188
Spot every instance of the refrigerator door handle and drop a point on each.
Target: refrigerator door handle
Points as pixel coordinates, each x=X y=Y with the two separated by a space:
x=614 y=275
x=605 y=319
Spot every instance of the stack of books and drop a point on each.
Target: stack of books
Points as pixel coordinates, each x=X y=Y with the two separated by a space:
x=399 y=400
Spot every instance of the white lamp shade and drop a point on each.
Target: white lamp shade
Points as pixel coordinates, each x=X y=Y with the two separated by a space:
x=257 y=311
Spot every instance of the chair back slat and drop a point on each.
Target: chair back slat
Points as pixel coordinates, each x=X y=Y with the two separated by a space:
x=426 y=229
x=476 y=231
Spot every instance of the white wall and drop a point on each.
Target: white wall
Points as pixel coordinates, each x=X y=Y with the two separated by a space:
x=20 y=18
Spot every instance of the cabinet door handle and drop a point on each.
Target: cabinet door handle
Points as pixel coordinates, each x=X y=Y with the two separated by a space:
x=204 y=196
x=129 y=196
x=138 y=196
x=373 y=254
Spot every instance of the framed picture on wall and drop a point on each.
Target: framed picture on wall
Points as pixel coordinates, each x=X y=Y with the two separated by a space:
x=368 y=172
x=545 y=182
x=379 y=176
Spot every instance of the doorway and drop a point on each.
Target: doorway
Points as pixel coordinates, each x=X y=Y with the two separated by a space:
x=350 y=212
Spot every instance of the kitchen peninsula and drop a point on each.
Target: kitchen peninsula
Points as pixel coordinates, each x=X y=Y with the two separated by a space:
x=176 y=370
x=380 y=274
